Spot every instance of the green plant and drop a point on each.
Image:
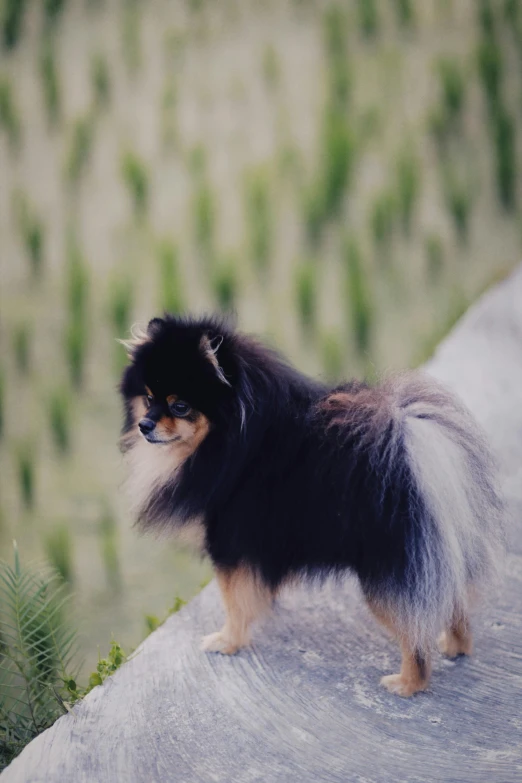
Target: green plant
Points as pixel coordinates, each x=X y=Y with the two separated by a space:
x=290 y=163
x=325 y=197
x=358 y=296
x=368 y=17
x=435 y=256
x=339 y=84
x=458 y=197
x=2 y=401
x=168 y=110
x=121 y=302
x=225 y=283
x=486 y=18
x=9 y=116
x=334 y=32
x=100 y=80
x=153 y=622
x=338 y=158
x=171 y=299
x=52 y=10
x=135 y=177
x=504 y=136
x=22 y=334
x=75 y=345
x=58 y=547
x=50 y=82
x=490 y=67
x=204 y=209
x=306 y=294
x=197 y=160
x=106 y=667
x=108 y=532
x=453 y=87
x=512 y=12
x=174 y=46
x=405 y=12
x=38 y=647
x=332 y=356
x=313 y=212
x=178 y=604
x=439 y=126
x=259 y=217
x=59 y=410
x=131 y=35
x=26 y=462
x=80 y=148
x=31 y=231
x=77 y=280
x=382 y=217
x=408 y=185
x=336 y=45
x=457 y=306
x=76 y=333
x=271 y=66
x=34 y=242
x=11 y=21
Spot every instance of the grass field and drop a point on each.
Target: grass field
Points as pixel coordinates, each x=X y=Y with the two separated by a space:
x=345 y=176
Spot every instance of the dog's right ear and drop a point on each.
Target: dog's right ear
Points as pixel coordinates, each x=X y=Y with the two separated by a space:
x=209 y=347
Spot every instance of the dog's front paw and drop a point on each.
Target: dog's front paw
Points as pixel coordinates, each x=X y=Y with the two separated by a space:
x=219 y=642
x=395 y=683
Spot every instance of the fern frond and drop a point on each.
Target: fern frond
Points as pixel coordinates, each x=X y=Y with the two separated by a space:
x=35 y=654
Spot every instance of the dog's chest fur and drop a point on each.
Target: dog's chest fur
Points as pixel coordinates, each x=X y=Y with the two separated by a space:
x=149 y=469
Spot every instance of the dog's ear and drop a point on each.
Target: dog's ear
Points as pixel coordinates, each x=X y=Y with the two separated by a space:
x=209 y=347
x=154 y=327
x=139 y=336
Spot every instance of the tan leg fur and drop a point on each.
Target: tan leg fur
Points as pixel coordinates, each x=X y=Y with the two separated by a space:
x=458 y=639
x=415 y=670
x=246 y=599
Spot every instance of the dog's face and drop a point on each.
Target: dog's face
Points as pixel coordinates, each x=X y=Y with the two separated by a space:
x=169 y=420
x=173 y=386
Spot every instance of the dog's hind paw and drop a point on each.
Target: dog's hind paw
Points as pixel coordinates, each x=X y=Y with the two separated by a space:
x=219 y=642
x=395 y=683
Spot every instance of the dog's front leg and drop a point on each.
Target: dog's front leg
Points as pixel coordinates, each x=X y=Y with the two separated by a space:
x=246 y=599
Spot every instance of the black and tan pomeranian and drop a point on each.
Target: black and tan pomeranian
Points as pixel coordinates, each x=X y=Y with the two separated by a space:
x=282 y=478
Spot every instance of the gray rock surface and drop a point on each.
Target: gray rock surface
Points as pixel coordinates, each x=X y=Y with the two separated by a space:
x=304 y=704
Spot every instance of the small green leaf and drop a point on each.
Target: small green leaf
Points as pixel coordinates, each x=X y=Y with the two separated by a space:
x=95 y=679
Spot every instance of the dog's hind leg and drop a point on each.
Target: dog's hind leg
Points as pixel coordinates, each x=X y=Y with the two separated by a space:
x=457 y=639
x=246 y=599
x=415 y=670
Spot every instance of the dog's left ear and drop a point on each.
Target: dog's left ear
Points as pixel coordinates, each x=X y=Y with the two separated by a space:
x=154 y=327
x=209 y=347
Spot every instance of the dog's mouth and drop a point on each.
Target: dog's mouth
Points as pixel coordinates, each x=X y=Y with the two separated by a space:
x=151 y=438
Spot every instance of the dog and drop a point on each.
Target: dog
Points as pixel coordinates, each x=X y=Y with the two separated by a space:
x=282 y=478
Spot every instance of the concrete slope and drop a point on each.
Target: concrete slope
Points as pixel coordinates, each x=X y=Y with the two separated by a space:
x=304 y=704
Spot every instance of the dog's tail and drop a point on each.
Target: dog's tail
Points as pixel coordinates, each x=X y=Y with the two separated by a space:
x=423 y=443
x=457 y=503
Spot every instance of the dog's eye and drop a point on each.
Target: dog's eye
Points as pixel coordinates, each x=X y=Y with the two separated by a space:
x=148 y=400
x=180 y=409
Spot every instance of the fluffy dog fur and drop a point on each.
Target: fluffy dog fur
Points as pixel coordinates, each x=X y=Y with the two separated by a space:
x=280 y=477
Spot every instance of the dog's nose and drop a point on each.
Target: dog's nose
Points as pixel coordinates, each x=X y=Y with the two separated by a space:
x=146 y=426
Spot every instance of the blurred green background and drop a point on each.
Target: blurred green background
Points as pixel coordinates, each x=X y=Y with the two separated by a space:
x=343 y=175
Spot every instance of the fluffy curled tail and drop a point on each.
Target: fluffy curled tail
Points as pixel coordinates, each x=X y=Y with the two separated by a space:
x=455 y=501
x=438 y=495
